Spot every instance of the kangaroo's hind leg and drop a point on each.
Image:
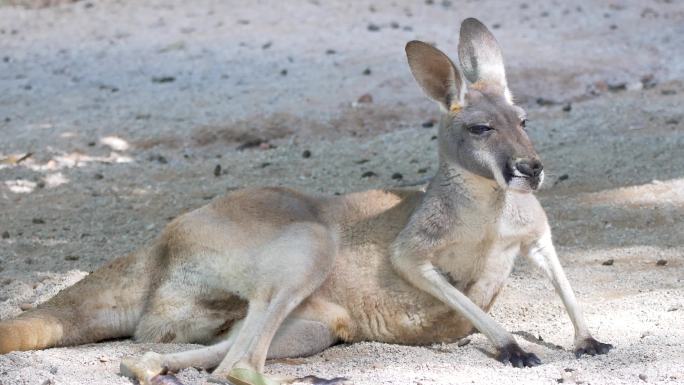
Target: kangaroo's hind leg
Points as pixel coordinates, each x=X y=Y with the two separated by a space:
x=296 y=337
x=293 y=266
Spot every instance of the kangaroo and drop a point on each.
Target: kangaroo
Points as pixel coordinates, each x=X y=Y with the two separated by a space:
x=271 y=272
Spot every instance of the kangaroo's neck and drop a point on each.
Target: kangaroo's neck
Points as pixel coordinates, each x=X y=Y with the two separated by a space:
x=457 y=187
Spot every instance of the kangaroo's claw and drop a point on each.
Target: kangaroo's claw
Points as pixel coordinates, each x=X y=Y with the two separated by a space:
x=517 y=357
x=592 y=347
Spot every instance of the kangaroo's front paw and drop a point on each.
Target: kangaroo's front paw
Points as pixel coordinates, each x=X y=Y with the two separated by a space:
x=591 y=347
x=517 y=357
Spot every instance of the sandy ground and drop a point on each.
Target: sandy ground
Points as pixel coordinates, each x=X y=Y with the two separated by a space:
x=128 y=107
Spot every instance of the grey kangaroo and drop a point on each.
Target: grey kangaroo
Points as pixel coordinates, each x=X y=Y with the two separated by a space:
x=270 y=272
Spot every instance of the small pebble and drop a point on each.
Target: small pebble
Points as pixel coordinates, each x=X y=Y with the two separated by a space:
x=38 y=221
x=163 y=79
x=428 y=123
x=567 y=107
x=98 y=176
x=330 y=52
x=642 y=377
x=608 y=262
x=365 y=98
x=373 y=27
x=25 y=306
x=71 y=258
x=661 y=262
x=368 y=174
x=217 y=170
x=463 y=342
x=367 y=71
x=306 y=154
x=397 y=176
x=5 y=234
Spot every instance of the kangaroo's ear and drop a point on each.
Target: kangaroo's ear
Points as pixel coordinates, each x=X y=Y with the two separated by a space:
x=436 y=74
x=480 y=54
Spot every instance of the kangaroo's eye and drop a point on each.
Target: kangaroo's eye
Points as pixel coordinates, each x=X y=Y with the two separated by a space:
x=479 y=129
x=523 y=123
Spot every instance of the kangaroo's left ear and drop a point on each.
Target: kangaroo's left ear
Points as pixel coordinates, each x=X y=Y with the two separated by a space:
x=480 y=55
x=436 y=75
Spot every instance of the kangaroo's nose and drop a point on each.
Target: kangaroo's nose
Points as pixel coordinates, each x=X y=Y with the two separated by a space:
x=529 y=167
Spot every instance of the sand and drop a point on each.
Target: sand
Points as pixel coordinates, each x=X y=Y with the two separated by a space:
x=127 y=108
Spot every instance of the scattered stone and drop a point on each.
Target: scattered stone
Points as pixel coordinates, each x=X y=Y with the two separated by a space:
x=38 y=221
x=217 y=170
x=569 y=370
x=71 y=258
x=368 y=174
x=496 y=26
x=5 y=234
x=463 y=342
x=373 y=27
x=98 y=176
x=283 y=72
x=668 y=92
x=365 y=98
x=397 y=176
x=394 y=25
x=429 y=123
x=161 y=159
x=306 y=154
x=608 y=262
x=672 y=121
x=618 y=86
x=103 y=359
x=433 y=137
x=642 y=377
x=446 y=3
x=25 y=306
x=422 y=171
x=567 y=107
x=563 y=177
x=330 y=52
x=649 y=13
x=163 y=79
x=40 y=184
x=249 y=144
x=661 y=262
x=243 y=22
x=648 y=81
x=545 y=102
x=613 y=27
x=429 y=2
x=265 y=164
x=367 y=71
x=92 y=144
x=266 y=146
x=361 y=161
x=267 y=45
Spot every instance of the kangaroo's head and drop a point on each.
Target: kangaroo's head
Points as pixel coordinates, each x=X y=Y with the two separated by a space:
x=482 y=130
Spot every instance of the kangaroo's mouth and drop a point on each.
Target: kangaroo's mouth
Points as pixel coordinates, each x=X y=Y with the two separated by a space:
x=518 y=182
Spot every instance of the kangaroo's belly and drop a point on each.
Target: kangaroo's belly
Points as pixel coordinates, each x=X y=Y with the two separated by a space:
x=382 y=306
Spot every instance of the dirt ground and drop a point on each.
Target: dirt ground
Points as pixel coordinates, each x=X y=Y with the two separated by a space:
x=116 y=116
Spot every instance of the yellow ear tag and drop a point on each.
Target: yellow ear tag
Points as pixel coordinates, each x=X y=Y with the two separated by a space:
x=455 y=108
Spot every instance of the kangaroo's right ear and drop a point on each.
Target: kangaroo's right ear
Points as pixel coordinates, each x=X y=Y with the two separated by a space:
x=436 y=74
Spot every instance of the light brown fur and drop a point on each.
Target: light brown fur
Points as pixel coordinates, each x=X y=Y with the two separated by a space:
x=274 y=272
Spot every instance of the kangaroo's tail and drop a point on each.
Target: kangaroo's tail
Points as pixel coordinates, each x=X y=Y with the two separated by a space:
x=106 y=304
